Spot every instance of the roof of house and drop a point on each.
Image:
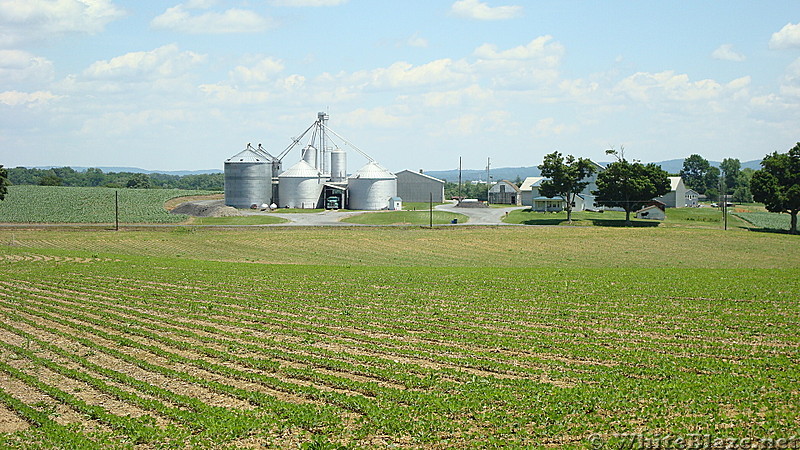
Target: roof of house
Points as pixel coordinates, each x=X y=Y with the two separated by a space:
x=510 y=184
x=647 y=208
x=674 y=182
x=419 y=174
x=530 y=182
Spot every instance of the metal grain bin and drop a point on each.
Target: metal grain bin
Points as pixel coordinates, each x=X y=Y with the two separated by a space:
x=371 y=187
x=300 y=187
x=248 y=180
x=310 y=156
x=338 y=165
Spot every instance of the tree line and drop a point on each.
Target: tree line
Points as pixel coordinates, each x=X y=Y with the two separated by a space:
x=729 y=179
x=93 y=177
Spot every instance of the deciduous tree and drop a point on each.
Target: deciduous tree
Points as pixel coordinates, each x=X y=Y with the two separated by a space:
x=3 y=182
x=566 y=177
x=698 y=174
x=630 y=185
x=777 y=184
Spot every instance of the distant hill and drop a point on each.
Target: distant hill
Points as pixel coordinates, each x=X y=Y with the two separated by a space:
x=137 y=170
x=511 y=173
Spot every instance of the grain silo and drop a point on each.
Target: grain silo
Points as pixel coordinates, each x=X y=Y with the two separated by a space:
x=338 y=165
x=300 y=186
x=371 y=187
x=310 y=156
x=248 y=179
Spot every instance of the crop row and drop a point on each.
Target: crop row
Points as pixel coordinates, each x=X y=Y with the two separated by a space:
x=215 y=354
x=54 y=204
x=767 y=220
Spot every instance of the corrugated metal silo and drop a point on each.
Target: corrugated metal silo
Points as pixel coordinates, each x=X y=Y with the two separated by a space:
x=338 y=165
x=300 y=186
x=371 y=187
x=310 y=156
x=248 y=180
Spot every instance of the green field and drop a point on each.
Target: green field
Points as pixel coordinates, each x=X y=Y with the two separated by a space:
x=390 y=336
x=676 y=217
x=362 y=337
x=54 y=204
x=256 y=219
x=766 y=220
x=406 y=218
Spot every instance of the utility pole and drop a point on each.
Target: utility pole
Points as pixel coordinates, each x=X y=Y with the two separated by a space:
x=430 y=206
x=459 y=179
x=116 y=210
x=488 y=184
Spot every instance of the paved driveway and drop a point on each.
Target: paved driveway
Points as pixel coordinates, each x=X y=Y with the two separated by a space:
x=477 y=216
x=481 y=216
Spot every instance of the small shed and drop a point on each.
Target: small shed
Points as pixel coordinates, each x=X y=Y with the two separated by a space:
x=652 y=212
x=395 y=204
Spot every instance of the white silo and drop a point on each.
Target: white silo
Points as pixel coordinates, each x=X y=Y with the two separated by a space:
x=310 y=156
x=338 y=165
x=248 y=180
x=371 y=187
x=300 y=186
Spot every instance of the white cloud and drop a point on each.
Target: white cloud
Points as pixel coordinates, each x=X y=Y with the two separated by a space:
x=787 y=37
x=18 y=66
x=164 y=62
x=474 y=9
x=646 y=87
x=300 y=3
x=525 y=67
x=471 y=94
x=541 y=48
x=402 y=74
x=790 y=84
x=374 y=117
x=14 y=98
x=24 y=21
x=179 y=18
x=260 y=72
x=725 y=52
x=416 y=41
x=548 y=127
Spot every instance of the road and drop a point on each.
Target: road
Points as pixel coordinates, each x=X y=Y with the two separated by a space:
x=477 y=216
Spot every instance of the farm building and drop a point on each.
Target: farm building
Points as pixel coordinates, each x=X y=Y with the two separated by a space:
x=318 y=180
x=505 y=192
x=676 y=197
x=418 y=187
x=651 y=212
x=529 y=192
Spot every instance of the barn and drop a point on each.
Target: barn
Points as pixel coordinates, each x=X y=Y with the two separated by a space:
x=506 y=193
x=418 y=187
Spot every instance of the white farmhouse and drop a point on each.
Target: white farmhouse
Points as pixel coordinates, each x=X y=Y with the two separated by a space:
x=676 y=197
x=585 y=200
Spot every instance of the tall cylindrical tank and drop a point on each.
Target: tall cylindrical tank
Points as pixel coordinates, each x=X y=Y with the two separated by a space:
x=300 y=187
x=338 y=165
x=371 y=187
x=326 y=162
x=248 y=180
x=310 y=156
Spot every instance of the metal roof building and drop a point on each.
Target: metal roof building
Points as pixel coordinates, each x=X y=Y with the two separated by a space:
x=418 y=187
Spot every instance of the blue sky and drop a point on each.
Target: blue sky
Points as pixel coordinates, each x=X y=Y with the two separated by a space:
x=170 y=85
